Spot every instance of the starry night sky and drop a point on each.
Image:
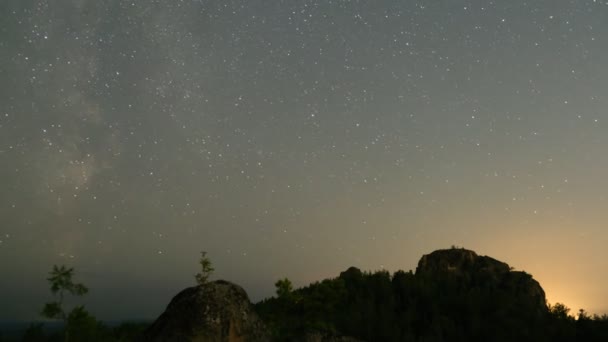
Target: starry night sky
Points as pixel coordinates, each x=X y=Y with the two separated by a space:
x=296 y=138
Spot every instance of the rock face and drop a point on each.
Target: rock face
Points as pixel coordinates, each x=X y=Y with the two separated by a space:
x=217 y=311
x=459 y=261
x=473 y=270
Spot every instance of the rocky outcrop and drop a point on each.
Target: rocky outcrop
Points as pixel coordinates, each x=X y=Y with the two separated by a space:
x=472 y=270
x=217 y=311
x=459 y=261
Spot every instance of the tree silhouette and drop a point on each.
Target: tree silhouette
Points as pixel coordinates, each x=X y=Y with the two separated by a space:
x=283 y=288
x=206 y=269
x=559 y=311
x=60 y=280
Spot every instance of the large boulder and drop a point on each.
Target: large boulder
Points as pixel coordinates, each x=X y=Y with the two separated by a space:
x=217 y=311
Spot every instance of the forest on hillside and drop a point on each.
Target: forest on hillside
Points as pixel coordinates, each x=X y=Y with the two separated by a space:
x=454 y=295
x=378 y=306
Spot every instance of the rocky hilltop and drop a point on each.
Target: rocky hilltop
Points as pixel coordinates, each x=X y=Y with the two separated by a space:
x=459 y=261
x=474 y=270
x=218 y=311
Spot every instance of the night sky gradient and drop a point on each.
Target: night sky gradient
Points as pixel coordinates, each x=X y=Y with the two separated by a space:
x=295 y=139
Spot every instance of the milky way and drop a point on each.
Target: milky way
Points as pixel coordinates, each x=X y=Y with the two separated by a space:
x=297 y=138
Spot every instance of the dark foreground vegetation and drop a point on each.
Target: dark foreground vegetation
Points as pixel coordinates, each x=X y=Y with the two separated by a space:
x=84 y=328
x=405 y=307
x=454 y=295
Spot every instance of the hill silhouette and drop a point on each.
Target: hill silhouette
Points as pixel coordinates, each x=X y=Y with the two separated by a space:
x=454 y=295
